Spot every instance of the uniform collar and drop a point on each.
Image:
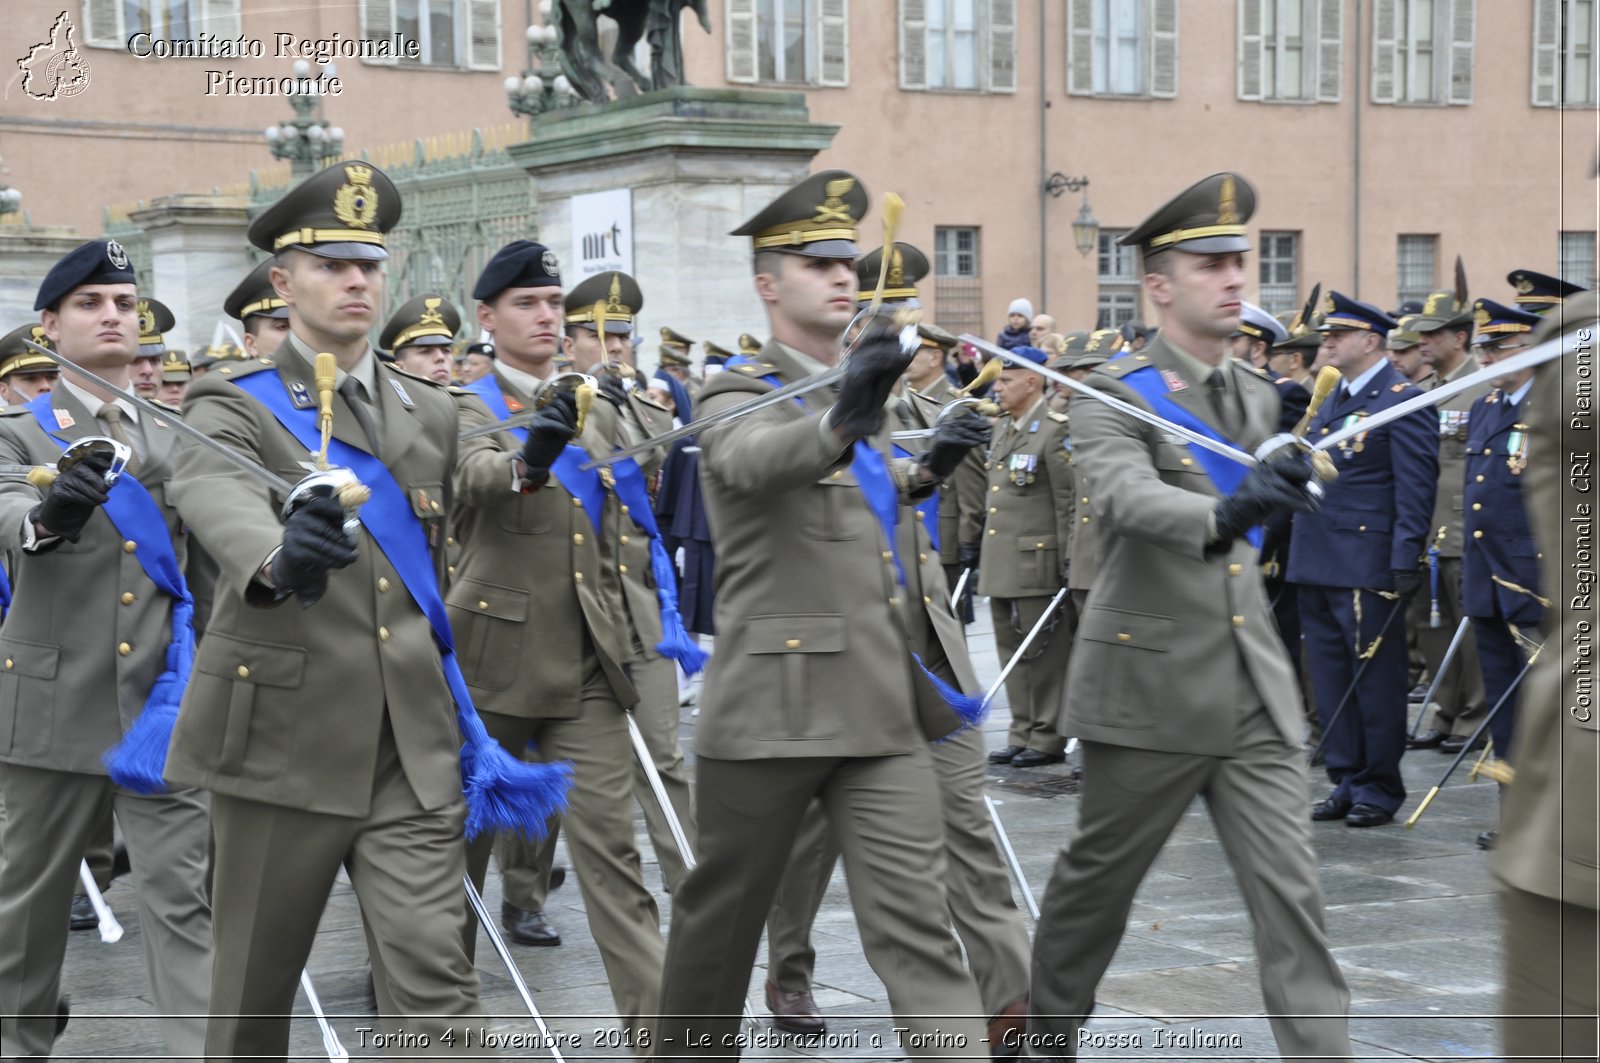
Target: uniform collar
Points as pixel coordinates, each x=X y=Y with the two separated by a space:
x=1521 y=393
x=1018 y=422
x=1199 y=370
x=92 y=403
x=1360 y=383
x=525 y=382
x=365 y=370
x=811 y=366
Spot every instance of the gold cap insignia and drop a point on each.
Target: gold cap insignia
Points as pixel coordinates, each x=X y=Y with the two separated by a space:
x=355 y=202
x=1330 y=306
x=833 y=208
x=431 y=315
x=1227 y=204
x=1481 y=318
x=1431 y=307
x=897 y=270
x=614 y=304
x=1524 y=286
x=147 y=319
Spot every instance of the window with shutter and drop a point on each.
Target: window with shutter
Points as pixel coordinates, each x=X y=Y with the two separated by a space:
x=1278 y=262
x=914 y=43
x=1463 y=28
x=109 y=23
x=1546 y=51
x=1579 y=31
x=833 y=32
x=102 y=24
x=1385 y=51
x=1415 y=256
x=1422 y=51
x=1290 y=50
x=1250 y=49
x=786 y=41
x=220 y=18
x=378 y=23
x=1002 y=45
x=1118 y=275
x=1080 y=47
x=1330 y=50
x=483 y=34
x=1163 y=47
x=741 y=40
x=1575 y=258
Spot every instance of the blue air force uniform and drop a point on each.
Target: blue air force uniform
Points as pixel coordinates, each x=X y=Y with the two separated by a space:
x=1374 y=521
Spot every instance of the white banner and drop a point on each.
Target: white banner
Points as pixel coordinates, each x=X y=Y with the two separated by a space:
x=602 y=234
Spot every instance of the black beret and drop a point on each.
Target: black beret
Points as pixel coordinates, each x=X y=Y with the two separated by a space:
x=519 y=264
x=96 y=262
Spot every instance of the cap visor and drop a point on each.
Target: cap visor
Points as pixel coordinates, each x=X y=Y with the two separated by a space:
x=823 y=249
x=349 y=250
x=1213 y=245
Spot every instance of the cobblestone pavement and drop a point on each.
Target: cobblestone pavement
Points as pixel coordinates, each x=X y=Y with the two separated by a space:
x=1411 y=915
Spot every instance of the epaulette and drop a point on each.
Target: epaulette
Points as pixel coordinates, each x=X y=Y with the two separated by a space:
x=932 y=402
x=233 y=370
x=1115 y=368
x=14 y=411
x=755 y=368
x=1058 y=417
x=457 y=389
x=409 y=375
x=1254 y=370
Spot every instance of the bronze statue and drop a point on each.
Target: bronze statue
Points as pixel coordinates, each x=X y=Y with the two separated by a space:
x=652 y=20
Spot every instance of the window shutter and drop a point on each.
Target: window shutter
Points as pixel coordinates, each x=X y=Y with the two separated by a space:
x=741 y=42
x=1080 y=47
x=220 y=18
x=1463 y=27
x=1163 y=48
x=1546 y=50
x=1330 y=50
x=1385 y=51
x=377 y=23
x=913 y=44
x=1002 y=45
x=833 y=29
x=1250 y=49
x=483 y=34
x=102 y=24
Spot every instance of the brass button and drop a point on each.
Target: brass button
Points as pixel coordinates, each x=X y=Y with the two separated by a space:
x=1123 y=636
x=482 y=604
x=1478 y=534
x=577 y=539
x=383 y=584
x=1488 y=450
x=451 y=570
x=1476 y=506
x=1238 y=621
x=837 y=473
x=622 y=569
x=991 y=530
x=436 y=507
x=449 y=540
x=1038 y=546
x=123 y=649
x=129 y=547
x=1086 y=520
x=926 y=600
x=244 y=673
x=383 y=634
x=894 y=601
x=1186 y=461
x=994 y=509
x=922 y=557
x=1324 y=431
x=577 y=577
x=888 y=556
x=624 y=511
x=1234 y=570
x=10 y=664
x=127 y=597
x=1362 y=528
x=793 y=644
x=1480 y=478
x=1084 y=500
x=623 y=540
x=988 y=465
x=994 y=487
x=578 y=502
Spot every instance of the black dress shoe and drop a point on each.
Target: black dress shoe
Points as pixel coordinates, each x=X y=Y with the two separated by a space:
x=1418 y=692
x=1426 y=740
x=1365 y=815
x=1456 y=743
x=1488 y=839
x=1006 y=755
x=83 y=917
x=558 y=875
x=528 y=928
x=1329 y=808
x=795 y=1012
x=1033 y=758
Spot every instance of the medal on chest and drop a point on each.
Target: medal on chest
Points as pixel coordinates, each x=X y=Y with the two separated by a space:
x=1356 y=443
x=1021 y=468
x=1453 y=423
x=1517 y=449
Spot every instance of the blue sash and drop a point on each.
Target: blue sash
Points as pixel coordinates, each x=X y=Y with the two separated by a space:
x=568 y=470
x=1225 y=473
x=929 y=510
x=883 y=499
x=589 y=488
x=503 y=793
x=138 y=760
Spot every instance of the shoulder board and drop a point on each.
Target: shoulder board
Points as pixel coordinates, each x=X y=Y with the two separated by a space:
x=1253 y=370
x=14 y=411
x=457 y=389
x=755 y=368
x=410 y=376
x=234 y=370
x=1058 y=418
x=928 y=400
x=1115 y=368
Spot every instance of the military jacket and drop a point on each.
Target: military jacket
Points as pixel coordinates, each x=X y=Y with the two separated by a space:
x=1176 y=638
x=87 y=632
x=1455 y=420
x=961 y=496
x=1031 y=506
x=813 y=657
x=534 y=603
x=1375 y=518
x=1500 y=554
x=286 y=705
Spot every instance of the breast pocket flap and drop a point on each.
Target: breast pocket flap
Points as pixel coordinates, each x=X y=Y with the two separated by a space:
x=795 y=634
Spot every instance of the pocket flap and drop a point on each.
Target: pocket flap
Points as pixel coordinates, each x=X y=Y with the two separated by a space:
x=266 y=664
x=1144 y=631
x=1359 y=520
x=32 y=659
x=795 y=634
x=1029 y=544
x=502 y=603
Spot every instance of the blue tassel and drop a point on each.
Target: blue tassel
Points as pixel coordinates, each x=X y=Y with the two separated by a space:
x=504 y=793
x=970 y=709
x=139 y=761
x=675 y=641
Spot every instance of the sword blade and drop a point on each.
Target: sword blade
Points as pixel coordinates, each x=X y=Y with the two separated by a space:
x=1547 y=351
x=249 y=465
x=1115 y=403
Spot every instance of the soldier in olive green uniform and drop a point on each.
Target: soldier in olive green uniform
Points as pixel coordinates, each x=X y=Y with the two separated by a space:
x=533 y=607
x=1546 y=859
x=675 y=355
x=1445 y=329
x=84 y=644
x=1099 y=346
x=1027 y=548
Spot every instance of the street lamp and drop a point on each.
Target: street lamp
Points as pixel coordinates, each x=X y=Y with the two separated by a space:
x=542 y=86
x=306 y=140
x=1085 y=228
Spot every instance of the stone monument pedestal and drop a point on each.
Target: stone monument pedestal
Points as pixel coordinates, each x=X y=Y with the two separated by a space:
x=698 y=162
x=26 y=254
x=198 y=252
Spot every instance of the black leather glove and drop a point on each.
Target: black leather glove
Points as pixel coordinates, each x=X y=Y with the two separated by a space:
x=967 y=555
x=314 y=543
x=612 y=391
x=1407 y=582
x=1272 y=486
x=951 y=442
x=550 y=431
x=870 y=374
x=72 y=499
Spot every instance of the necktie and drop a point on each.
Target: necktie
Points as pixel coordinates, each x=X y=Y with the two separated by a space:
x=1220 y=405
x=358 y=405
x=111 y=414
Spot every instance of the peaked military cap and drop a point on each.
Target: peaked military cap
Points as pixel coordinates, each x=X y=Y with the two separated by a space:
x=1407 y=306
x=341 y=212
x=674 y=338
x=1402 y=338
x=1258 y=324
x=932 y=335
x=907 y=266
x=1100 y=346
x=254 y=295
x=1343 y=314
x=1298 y=334
x=715 y=355
x=1441 y=310
x=619 y=292
x=519 y=264
x=1538 y=292
x=1207 y=218
x=425 y=321
x=18 y=357
x=817 y=217
x=1494 y=320
x=155 y=320
x=748 y=344
x=1578 y=310
x=176 y=368
x=96 y=262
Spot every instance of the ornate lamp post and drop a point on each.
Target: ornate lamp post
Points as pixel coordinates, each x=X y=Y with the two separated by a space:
x=1085 y=228
x=542 y=86
x=306 y=140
